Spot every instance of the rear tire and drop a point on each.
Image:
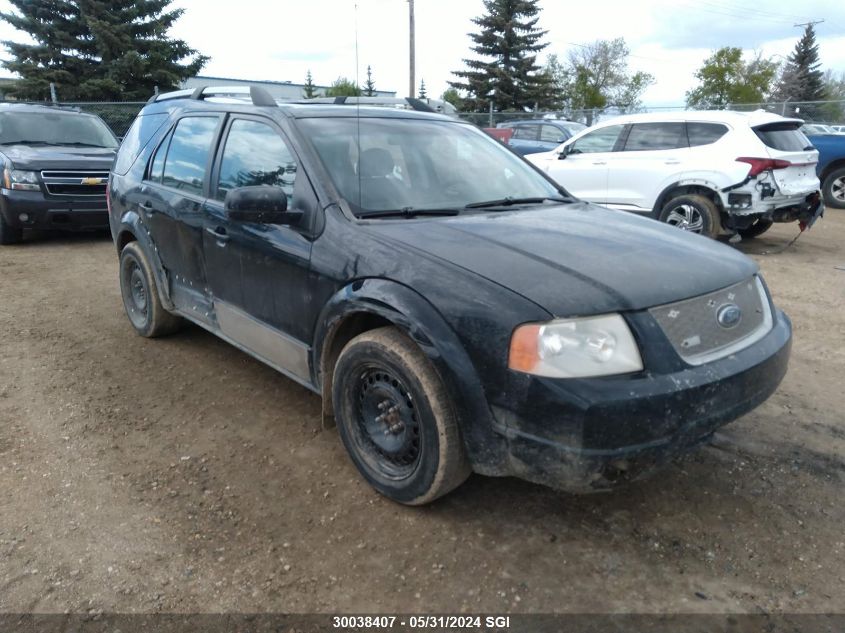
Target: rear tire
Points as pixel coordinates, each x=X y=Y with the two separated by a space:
x=759 y=227
x=396 y=419
x=9 y=234
x=833 y=189
x=140 y=295
x=693 y=213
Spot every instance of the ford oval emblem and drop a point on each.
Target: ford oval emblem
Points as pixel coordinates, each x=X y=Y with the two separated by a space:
x=729 y=315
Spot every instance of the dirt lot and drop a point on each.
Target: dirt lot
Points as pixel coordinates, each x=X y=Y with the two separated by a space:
x=181 y=475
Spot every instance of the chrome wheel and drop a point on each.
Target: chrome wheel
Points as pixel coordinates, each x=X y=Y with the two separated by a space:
x=837 y=189
x=686 y=217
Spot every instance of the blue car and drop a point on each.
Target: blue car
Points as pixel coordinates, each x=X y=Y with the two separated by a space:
x=831 y=168
x=540 y=135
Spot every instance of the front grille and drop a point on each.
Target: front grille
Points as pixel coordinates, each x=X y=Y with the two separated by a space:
x=693 y=325
x=90 y=184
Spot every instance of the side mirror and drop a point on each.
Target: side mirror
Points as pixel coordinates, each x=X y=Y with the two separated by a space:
x=262 y=203
x=566 y=151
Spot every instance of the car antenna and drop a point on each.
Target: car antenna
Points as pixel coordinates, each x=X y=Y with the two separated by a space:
x=358 y=107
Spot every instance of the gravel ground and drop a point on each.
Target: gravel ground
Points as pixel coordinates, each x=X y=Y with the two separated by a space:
x=180 y=475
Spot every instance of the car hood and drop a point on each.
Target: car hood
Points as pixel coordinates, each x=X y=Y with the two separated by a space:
x=577 y=259
x=37 y=157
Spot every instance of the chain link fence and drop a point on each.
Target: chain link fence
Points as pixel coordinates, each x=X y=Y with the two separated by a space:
x=120 y=114
x=823 y=112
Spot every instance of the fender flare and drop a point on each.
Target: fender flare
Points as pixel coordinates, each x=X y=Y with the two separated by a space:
x=663 y=197
x=419 y=319
x=132 y=224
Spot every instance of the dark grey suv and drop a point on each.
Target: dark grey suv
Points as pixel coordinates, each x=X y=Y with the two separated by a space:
x=55 y=165
x=453 y=307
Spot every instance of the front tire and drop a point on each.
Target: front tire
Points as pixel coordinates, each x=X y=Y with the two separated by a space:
x=760 y=226
x=693 y=213
x=833 y=189
x=9 y=234
x=140 y=295
x=396 y=419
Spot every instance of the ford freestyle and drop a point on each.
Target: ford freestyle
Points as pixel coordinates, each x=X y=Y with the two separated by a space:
x=55 y=165
x=455 y=309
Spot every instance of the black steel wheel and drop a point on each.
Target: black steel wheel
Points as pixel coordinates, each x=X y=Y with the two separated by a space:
x=395 y=418
x=140 y=295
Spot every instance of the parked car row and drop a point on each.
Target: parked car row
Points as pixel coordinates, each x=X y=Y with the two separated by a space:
x=456 y=308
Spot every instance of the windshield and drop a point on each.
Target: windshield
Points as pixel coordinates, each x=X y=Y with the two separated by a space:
x=412 y=164
x=54 y=128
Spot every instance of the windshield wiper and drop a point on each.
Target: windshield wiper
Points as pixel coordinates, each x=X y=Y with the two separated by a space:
x=508 y=202
x=80 y=144
x=26 y=142
x=407 y=212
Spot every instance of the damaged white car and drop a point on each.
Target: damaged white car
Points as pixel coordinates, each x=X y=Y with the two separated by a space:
x=709 y=172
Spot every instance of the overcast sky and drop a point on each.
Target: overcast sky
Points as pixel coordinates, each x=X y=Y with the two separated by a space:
x=282 y=39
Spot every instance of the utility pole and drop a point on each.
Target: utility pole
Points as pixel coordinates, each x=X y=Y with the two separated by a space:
x=413 y=55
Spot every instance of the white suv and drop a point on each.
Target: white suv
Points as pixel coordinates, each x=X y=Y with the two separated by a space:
x=710 y=172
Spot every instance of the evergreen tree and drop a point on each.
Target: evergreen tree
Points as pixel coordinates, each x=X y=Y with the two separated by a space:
x=422 y=93
x=509 y=40
x=97 y=49
x=801 y=78
x=310 y=90
x=370 y=86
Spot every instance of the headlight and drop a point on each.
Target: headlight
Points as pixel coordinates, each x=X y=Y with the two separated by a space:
x=21 y=180
x=575 y=348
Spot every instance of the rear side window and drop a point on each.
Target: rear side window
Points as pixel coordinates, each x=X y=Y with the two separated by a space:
x=705 y=133
x=602 y=140
x=656 y=136
x=551 y=134
x=785 y=137
x=187 y=156
x=143 y=129
x=527 y=132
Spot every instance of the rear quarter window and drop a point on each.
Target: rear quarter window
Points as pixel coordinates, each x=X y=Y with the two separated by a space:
x=143 y=129
x=785 y=137
x=705 y=133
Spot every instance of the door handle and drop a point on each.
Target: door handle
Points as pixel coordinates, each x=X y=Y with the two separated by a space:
x=672 y=162
x=219 y=233
x=599 y=162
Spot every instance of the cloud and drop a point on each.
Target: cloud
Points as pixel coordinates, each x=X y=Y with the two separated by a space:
x=282 y=40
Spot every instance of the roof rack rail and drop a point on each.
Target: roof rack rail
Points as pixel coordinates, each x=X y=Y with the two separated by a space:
x=416 y=104
x=259 y=96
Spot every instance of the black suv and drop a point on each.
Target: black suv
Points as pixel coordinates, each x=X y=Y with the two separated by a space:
x=455 y=309
x=56 y=165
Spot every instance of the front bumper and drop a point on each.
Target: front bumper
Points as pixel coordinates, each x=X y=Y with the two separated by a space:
x=591 y=434
x=32 y=210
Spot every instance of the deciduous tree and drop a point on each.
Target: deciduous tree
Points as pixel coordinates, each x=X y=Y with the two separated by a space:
x=726 y=78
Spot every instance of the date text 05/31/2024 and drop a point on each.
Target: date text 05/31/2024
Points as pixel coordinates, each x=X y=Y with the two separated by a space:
x=468 y=622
